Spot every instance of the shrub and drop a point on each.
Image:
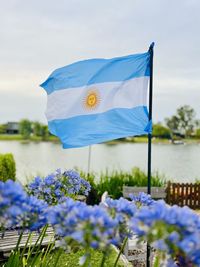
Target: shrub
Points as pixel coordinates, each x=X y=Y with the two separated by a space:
x=7 y=167
x=25 y=128
x=160 y=131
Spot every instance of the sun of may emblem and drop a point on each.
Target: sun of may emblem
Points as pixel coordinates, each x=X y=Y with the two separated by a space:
x=92 y=99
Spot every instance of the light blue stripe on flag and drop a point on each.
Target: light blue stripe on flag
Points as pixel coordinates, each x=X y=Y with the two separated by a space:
x=98 y=128
x=98 y=100
x=94 y=71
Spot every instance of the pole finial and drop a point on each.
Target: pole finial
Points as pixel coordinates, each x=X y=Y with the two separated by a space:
x=151 y=46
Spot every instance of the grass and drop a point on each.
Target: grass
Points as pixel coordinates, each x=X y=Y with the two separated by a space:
x=18 y=137
x=65 y=259
x=10 y=137
x=72 y=259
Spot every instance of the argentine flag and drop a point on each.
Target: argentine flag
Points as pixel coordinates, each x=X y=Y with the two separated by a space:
x=98 y=100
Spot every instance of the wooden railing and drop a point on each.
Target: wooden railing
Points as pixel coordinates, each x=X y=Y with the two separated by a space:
x=184 y=194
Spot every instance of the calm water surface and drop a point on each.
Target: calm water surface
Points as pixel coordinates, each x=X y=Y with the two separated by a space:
x=177 y=162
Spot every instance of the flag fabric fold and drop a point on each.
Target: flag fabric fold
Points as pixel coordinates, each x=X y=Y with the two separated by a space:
x=98 y=100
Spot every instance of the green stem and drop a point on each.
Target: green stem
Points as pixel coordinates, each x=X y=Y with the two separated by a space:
x=103 y=259
x=25 y=247
x=19 y=240
x=37 y=245
x=157 y=261
x=121 y=250
x=88 y=259
x=58 y=257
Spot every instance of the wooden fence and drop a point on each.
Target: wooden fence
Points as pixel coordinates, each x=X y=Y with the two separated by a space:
x=183 y=195
x=175 y=194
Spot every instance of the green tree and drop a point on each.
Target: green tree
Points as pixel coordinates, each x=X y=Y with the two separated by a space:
x=173 y=123
x=2 y=128
x=197 y=133
x=44 y=132
x=37 y=128
x=183 y=121
x=161 y=131
x=25 y=128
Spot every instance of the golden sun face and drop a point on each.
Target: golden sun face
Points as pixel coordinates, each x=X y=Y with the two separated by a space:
x=91 y=100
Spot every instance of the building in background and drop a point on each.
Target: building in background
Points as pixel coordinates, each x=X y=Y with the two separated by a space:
x=12 y=128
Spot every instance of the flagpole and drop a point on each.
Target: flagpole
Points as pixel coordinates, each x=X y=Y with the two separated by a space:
x=89 y=159
x=150 y=138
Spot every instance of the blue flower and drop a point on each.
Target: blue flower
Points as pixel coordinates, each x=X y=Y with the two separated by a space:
x=173 y=229
x=122 y=206
x=142 y=198
x=57 y=185
x=160 y=245
x=88 y=225
x=18 y=210
x=174 y=237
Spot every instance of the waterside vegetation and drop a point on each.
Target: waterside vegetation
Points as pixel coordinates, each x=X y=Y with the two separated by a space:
x=183 y=125
x=113 y=182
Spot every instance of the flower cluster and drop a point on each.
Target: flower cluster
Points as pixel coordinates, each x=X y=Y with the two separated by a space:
x=141 y=199
x=174 y=230
x=121 y=207
x=90 y=226
x=18 y=210
x=54 y=187
x=76 y=184
x=122 y=210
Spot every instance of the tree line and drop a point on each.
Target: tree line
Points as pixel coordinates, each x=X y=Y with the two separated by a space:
x=29 y=128
x=26 y=128
x=183 y=124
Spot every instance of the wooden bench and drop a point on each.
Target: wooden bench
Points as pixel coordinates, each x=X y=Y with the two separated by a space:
x=9 y=239
x=156 y=192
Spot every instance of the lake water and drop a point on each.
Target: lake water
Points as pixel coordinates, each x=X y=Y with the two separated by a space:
x=177 y=162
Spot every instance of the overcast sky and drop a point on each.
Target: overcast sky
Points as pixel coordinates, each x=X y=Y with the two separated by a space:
x=39 y=36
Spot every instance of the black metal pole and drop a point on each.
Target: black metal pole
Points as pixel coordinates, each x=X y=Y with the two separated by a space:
x=150 y=137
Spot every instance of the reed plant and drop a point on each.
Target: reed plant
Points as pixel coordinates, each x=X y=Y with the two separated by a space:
x=113 y=182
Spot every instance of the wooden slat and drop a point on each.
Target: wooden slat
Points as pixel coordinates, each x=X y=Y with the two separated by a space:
x=186 y=194
x=198 y=207
x=10 y=238
x=192 y=196
x=180 y=195
x=174 y=192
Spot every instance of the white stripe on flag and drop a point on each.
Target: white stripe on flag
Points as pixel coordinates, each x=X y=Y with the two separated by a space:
x=68 y=103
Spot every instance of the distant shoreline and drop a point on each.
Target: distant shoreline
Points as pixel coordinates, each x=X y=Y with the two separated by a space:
x=134 y=140
x=18 y=137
